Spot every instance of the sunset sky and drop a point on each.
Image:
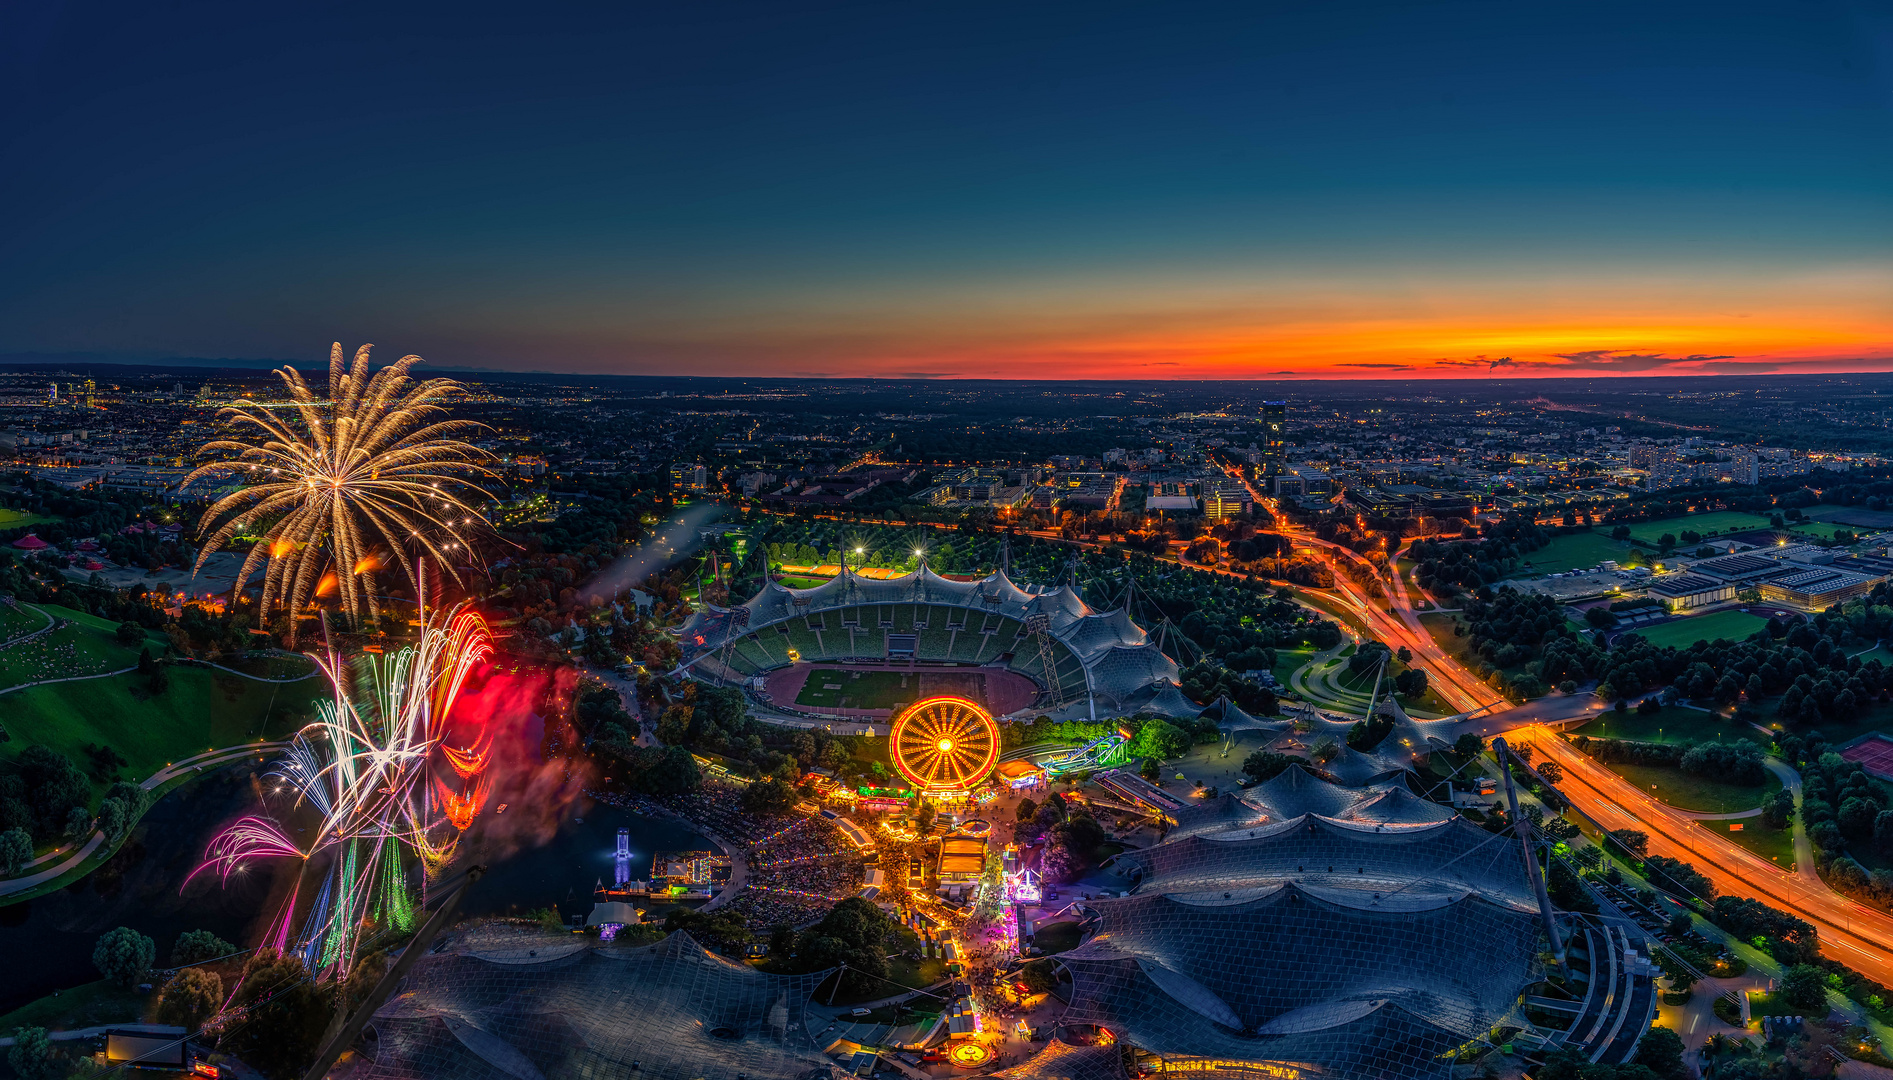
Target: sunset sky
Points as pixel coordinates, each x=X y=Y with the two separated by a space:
x=1159 y=190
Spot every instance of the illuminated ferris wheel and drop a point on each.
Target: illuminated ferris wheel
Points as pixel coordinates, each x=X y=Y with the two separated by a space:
x=944 y=744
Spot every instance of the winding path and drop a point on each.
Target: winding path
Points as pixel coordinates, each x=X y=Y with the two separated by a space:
x=123 y=671
x=191 y=764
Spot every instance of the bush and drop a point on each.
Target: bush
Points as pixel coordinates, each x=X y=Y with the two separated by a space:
x=197 y=946
x=1262 y=765
x=288 y=1014
x=33 y=1056
x=16 y=850
x=1804 y=987
x=1677 y=878
x=191 y=998
x=1737 y=762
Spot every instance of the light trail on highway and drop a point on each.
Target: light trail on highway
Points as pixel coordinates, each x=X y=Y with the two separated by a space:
x=1615 y=803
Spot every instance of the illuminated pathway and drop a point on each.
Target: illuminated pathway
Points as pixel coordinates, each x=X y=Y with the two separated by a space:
x=1859 y=936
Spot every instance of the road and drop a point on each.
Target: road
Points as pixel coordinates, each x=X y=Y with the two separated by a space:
x=1849 y=932
x=1398 y=627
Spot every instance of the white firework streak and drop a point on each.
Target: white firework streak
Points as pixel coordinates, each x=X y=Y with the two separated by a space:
x=364 y=767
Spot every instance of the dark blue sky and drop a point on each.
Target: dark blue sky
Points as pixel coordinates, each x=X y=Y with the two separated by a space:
x=958 y=189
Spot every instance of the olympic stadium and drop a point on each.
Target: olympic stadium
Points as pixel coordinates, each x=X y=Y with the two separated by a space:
x=855 y=648
x=1315 y=929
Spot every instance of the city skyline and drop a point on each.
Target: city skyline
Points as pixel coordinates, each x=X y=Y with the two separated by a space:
x=1366 y=190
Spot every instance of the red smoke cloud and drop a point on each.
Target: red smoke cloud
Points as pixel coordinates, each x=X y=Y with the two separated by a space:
x=533 y=768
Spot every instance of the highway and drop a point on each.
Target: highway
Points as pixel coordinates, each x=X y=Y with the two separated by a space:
x=1850 y=932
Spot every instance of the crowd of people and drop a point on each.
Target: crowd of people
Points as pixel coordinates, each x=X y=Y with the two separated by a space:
x=798 y=867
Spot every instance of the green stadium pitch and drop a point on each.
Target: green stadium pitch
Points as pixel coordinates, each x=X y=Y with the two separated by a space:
x=852 y=688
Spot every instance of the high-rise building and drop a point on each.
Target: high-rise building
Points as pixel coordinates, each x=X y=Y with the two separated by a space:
x=1275 y=427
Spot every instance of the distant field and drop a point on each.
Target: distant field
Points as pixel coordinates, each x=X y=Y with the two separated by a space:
x=1578 y=551
x=1733 y=625
x=1716 y=523
x=1691 y=792
x=1824 y=529
x=1775 y=845
x=1852 y=515
x=1672 y=725
x=13 y=519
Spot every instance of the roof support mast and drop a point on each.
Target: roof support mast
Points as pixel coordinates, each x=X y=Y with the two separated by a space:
x=1523 y=828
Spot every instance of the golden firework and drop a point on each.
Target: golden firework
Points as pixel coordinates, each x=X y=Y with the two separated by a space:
x=371 y=468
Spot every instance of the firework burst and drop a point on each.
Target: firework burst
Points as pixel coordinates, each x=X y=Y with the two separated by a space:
x=336 y=483
x=376 y=774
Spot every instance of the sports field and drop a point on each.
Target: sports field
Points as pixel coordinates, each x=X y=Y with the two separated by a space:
x=1682 y=633
x=1716 y=523
x=851 y=688
x=1577 y=551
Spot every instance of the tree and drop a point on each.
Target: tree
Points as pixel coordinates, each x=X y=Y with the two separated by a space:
x=1551 y=771
x=53 y=786
x=1468 y=745
x=129 y=634
x=16 y=850
x=124 y=955
x=1262 y=765
x=1152 y=769
x=1661 y=1049
x=1633 y=841
x=854 y=932
x=197 y=946
x=1804 y=987
x=288 y=1014
x=1027 y=809
x=33 y=1057
x=1037 y=977
x=191 y=998
x=1158 y=739
x=768 y=798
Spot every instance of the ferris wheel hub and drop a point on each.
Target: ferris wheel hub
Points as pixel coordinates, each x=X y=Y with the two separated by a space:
x=944 y=745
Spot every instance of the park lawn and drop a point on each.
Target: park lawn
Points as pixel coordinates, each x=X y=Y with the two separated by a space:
x=1671 y=725
x=1731 y=624
x=1688 y=791
x=1878 y=652
x=273 y=666
x=1775 y=845
x=87 y=1005
x=87 y=646
x=17 y=619
x=1715 y=523
x=202 y=710
x=14 y=519
x=1441 y=628
x=1289 y=661
x=1825 y=529
x=1575 y=551
x=909 y=971
x=1059 y=937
